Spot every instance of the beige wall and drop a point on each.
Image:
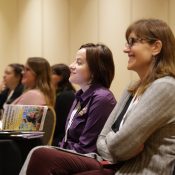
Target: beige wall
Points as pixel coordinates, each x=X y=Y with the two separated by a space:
x=56 y=28
x=34 y=28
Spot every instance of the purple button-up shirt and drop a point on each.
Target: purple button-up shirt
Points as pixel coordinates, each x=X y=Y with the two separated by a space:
x=96 y=104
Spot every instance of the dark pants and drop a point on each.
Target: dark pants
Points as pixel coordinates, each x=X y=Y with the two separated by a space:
x=10 y=157
x=48 y=161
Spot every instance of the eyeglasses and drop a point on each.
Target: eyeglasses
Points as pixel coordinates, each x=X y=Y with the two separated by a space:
x=28 y=69
x=132 y=41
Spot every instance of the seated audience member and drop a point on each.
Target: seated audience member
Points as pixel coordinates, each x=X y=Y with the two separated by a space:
x=93 y=70
x=37 y=81
x=65 y=95
x=139 y=136
x=11 y=87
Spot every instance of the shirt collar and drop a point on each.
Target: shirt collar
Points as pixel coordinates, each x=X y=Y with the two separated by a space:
x=83 y=96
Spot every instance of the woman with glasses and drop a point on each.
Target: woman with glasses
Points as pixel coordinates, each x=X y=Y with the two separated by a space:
x=139 y=135
x=37 y=81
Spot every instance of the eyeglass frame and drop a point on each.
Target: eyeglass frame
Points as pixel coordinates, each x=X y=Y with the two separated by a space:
x=131 y=41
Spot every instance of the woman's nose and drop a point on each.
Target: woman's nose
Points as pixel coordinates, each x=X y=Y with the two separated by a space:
x=4 y=76
x=72 y=65
x=126 y=49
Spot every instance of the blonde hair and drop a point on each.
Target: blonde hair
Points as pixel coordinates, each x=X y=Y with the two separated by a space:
x=152 y=30
x=41 y=67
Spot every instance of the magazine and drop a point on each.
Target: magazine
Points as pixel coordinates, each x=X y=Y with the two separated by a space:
x=23 y=117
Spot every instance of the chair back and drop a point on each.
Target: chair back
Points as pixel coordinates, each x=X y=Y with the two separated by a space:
x=49 y=126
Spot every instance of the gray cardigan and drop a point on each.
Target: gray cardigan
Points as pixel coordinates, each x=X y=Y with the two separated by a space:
x=152 y=123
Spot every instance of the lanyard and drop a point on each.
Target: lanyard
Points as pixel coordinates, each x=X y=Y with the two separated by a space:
x=134 y=101
x=74 y=112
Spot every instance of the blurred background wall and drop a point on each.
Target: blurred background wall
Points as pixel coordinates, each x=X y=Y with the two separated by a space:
x=55 y=29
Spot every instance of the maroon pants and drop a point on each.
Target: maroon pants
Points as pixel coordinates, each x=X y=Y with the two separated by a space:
x=46 y=161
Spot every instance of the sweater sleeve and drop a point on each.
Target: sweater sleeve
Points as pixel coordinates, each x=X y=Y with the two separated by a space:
x=154 y=109
x=101 y=142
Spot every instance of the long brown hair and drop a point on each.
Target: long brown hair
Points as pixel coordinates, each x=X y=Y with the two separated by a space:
x=152 y=30
x=41 y=67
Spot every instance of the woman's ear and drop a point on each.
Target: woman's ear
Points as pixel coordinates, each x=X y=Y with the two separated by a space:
x=156 y=47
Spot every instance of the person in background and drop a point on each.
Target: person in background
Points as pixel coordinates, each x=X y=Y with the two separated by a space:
x=93 y=70
x=37 y=81
x=11 y=87
x=65 y=95
x=139 y=136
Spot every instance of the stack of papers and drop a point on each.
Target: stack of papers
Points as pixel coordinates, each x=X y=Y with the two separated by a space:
x=22 y=134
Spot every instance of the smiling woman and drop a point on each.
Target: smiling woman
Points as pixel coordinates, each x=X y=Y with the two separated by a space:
x=80 y=73
x=39 y=90
x=143 y=141
x=138 y=137
x=93 y=70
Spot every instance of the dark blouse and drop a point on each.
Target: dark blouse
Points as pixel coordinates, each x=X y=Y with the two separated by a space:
x=96 y=105
x=64 y=100
x=4 y=95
